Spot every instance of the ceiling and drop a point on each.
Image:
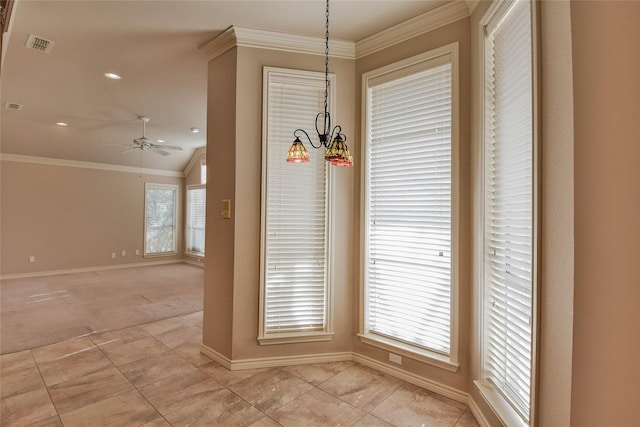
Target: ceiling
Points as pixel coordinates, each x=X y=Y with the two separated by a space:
x=153 y=45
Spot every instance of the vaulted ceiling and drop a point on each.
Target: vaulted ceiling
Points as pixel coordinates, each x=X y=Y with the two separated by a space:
x=154 y=46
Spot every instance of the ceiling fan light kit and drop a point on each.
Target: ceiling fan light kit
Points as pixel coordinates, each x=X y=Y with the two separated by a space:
x=146 y=144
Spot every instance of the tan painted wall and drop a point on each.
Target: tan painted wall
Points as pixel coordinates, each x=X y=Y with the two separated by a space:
x=69 y=217
x=590 y=380
x=456 y=32
x=248 y=188
x=557 y=217
x=606 y=86
x=193 y=176
x=232 y=269
x=221 y=184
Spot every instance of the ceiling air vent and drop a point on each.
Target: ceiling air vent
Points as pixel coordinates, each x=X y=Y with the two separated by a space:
x=39 y=44
x=13 y=106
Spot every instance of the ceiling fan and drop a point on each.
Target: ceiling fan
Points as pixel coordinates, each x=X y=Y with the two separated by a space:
x=145 y=144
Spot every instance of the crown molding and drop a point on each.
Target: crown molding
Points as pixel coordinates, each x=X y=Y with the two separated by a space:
x=194 y=160
x=414 y=27
x=260 y=39
x=471 y=5
x=87 y=165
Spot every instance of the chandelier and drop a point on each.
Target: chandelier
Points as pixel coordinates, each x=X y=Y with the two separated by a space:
x=332 y=139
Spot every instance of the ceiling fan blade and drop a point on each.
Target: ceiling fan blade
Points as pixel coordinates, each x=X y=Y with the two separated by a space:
x=168 y=147
x=130 y=149
x=159 y=151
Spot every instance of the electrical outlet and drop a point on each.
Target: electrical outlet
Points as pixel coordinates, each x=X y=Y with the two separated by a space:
x=137 y=251
x=113 y=255
x=395 y=358
x=32 y=259
x=124 y=253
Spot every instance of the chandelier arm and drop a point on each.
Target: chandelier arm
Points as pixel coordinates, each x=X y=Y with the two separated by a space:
x=337 y=131
x=295 y=133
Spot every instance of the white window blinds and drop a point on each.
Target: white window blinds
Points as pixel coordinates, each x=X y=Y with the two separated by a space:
x=508 y=282
x=294 y=217
x=408 y=202
x=196 y=218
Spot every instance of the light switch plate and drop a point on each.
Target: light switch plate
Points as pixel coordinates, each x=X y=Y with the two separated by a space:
x=225 y=208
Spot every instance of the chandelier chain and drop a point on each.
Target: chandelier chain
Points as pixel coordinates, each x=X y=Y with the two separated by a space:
x=336 y=151
x=326 y=60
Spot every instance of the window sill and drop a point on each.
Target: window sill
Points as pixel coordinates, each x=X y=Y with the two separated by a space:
x=291 y=338
x=406 y=350
x=500 y=406
x=195 y=254
x=160 y=255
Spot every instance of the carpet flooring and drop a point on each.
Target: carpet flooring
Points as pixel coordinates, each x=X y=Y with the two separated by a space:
x=44 y=310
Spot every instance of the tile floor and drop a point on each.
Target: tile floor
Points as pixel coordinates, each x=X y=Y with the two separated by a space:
x=154 y=375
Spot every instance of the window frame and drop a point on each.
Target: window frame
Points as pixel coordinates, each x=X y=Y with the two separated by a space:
x=203 y=172
x=494 y=397
x=327 y=334
x=187 y=251
x=176 y=192
x=406 y=67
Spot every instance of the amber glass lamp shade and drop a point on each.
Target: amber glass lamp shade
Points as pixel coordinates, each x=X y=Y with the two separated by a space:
x=338 y=153
x=297 y=153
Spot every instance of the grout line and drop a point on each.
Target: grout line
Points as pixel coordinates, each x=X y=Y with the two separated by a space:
x=129 y=381
x=227 y=387
x=46 y=387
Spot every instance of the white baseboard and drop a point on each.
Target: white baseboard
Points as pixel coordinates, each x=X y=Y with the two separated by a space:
x=414 y=379
x=477 y=413
x=274 y=362
x=217 y=357
x=90 y=269
x=304 y=359
x=271 y=362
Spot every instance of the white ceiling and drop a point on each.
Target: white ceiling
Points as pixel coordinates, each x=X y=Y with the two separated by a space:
x=154 y=46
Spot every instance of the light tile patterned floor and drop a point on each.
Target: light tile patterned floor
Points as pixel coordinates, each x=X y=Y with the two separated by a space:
x=154 y=375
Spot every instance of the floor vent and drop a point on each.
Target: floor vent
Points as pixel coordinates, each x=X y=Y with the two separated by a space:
x=39 y=44
x=13 y=106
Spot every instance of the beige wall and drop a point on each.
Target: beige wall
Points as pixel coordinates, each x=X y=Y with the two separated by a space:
x=221 y=185
x=456 y=32
x=588 y=333
x=192 y=176
x=606 y=340
x=240 y=282
x=70 y=217
x=588 y=370
x=556 y=215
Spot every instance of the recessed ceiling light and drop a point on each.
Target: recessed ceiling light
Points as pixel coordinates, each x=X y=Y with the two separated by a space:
x=195 y=130
x=160 y=140
x=62 y=124
x=112 y=76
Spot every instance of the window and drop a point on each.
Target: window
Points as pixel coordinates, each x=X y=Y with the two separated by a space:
x=410 y=208
x=160 y=219
x=509 y=211
x=196 y=205
x=295 y=291
x=203 y=172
